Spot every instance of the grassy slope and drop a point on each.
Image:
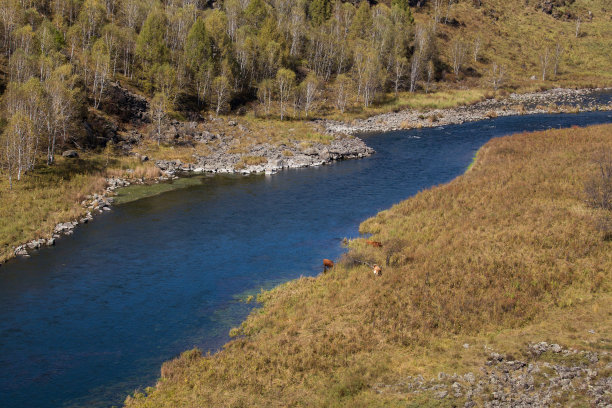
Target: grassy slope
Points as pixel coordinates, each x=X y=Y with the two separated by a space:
x=521 y=32
x=505 y=254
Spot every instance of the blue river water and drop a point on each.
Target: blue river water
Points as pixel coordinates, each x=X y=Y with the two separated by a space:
x=92 y=320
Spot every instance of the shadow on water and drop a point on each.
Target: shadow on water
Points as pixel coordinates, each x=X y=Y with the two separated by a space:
x=93 y=319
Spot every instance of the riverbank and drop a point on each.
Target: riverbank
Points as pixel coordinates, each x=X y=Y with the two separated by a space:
x=477 y=273
x=231 y=145
x=558 y=100
x=258 y=158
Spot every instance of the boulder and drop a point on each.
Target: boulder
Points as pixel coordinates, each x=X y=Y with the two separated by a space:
x=71 y=154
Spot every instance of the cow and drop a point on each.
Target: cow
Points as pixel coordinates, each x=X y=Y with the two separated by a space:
x=327 y=264
x=377 y=271
x=375 y=244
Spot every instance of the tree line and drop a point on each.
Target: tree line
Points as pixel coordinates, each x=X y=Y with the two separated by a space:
x=62 y=54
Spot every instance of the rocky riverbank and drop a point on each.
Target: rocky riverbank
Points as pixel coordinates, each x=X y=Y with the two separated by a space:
x=552 y=101
x=260 y=158
x=268 y=158
x=96 y=203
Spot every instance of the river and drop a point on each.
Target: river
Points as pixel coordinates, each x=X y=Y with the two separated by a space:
x=91 y=320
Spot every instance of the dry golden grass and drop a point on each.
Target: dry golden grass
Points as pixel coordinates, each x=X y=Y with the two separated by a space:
x=519 y=35
x=505 y=254
x=30 y=211
x=52 y=194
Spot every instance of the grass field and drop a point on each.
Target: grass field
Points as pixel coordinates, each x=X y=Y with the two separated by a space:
x=506 y=254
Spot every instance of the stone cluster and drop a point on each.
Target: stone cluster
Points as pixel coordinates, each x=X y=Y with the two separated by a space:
x=507 y=382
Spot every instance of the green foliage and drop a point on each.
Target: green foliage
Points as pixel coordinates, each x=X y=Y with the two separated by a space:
x=150 y=45
x=362 y=23
x=198 y=46
x=256 y=12
x=319 y=11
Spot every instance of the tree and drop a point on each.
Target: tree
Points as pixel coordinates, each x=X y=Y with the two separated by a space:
x=91 y=18
x=421 y=40
x=150 y=44
x=342 y=90
x=164 y=80
x=158 y=111
x=361 y=26
x=437 y=15
x=310 y=91
x=256 y=12
x=457 y=56
x=203 y=78
x=17 y=145
x=319 y=11
x=402 y=4
x=544 y=61
x=369 y=72
x=557 y=58
x=497 y=75
x=431 y=72
x=399 y=70
x=10 y=14
x=62 y=105
x=285 y=81
x=477 y=47
x=101 y=67
x=221 y=91
x=578 y=22
x=198 y=46
x=265 y=90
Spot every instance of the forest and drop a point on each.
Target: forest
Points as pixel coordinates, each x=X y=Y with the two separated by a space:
x=61 y=55
x=281 y=59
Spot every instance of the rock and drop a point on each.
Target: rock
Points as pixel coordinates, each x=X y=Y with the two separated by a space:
x=441 y=394
x=21 y=251
x=129 y=106
x=51 y=242
x=71 y=154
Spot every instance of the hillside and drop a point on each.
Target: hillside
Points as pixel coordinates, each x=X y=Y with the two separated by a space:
x=476 y=274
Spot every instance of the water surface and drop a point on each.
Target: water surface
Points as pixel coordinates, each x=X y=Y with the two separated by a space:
x=91 y=320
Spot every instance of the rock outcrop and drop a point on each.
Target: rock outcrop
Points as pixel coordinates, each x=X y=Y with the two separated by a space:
x=267 y=158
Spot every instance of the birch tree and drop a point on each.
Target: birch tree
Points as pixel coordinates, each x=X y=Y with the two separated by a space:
x=158 y=111
x=310 y=91
x=457 y=56
x=285 y=82
x=101 y=67
x=221 y=90
x=17 y=144
x=342 y=91
x=544 y=61
x=265 y=90
x=476 y=49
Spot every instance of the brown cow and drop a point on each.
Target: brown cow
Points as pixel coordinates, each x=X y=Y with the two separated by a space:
x=377 y=271
x=327 y=264
x=375 y=244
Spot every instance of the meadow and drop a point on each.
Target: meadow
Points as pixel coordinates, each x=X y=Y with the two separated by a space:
x=509 y=253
